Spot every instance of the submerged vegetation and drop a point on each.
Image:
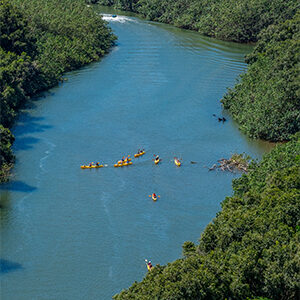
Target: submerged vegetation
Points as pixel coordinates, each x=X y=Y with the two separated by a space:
x=39 y=41
x=250 y=250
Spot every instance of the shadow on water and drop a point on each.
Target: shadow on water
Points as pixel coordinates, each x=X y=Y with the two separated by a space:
x=30 y=124
x=26 y=125
x=41 y=96
x=17 y=186
x=7 y=266
x=25 y=143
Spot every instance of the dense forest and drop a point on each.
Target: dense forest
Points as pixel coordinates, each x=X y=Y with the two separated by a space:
x=39 y=41
x=250 y=250
x=265 y=102
x=230 y=20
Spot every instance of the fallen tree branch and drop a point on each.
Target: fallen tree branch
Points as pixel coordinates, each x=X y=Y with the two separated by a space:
x=237 y=162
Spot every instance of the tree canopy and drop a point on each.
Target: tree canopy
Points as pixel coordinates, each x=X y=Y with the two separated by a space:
x=265 y=102
x=250 y=250
x=39 y=41
x=239 y=21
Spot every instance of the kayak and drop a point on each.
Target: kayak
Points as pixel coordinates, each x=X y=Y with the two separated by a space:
x=149 y=268
x=124 y=161
x=139 y=154
x=91 y=167
x=122 y=165
x=156 y=161
x=154 y=198
x=177 y=162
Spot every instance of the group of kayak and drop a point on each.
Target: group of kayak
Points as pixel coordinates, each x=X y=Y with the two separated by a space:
x=123 y=162
x=126 y=161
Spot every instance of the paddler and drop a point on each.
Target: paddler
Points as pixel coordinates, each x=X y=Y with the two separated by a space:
x=149 y=264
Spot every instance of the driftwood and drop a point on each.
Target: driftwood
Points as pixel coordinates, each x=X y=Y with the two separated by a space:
x=237 y=162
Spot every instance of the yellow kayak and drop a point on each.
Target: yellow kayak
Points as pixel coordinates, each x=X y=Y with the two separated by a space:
x=139 y=154
x=149 y=268
x=177 y=162
x=122 y=165
x=91 y=167
x=156 y=161
x=124 y=161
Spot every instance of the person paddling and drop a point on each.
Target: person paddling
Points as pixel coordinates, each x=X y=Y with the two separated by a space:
x=154 y=196
x=149 y=264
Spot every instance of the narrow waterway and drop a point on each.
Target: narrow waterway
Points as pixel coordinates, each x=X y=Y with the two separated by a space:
x=68 y=233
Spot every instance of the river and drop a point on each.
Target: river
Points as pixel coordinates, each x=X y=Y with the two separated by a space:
x=68 y=233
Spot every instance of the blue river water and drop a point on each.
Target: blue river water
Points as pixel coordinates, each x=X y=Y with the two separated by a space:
x=68 y=233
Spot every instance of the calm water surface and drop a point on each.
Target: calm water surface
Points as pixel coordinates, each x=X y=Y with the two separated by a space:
x=68 y=233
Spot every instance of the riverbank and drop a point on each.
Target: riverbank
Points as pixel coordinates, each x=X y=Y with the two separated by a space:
x=250 y=250
x=40 y=44
x=86 y=233
x=223 y=20
x=265 y=101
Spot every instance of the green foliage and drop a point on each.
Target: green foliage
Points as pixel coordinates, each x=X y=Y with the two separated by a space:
x=232 y=20
x=69 y=35
x=39 y=41
x=19 y=78
x=188 y=249
x=265 y=102
x=14 y=33
x=251 y=249
x=6 y=155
